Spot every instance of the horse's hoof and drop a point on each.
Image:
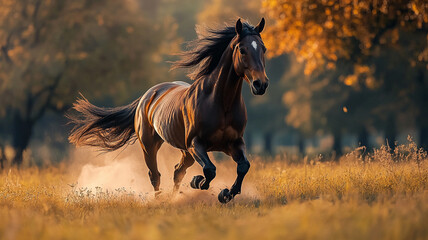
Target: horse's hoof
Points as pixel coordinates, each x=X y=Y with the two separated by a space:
x=224 y=196
x=196 y=181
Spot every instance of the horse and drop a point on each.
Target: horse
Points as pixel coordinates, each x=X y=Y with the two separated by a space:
x=207 y=115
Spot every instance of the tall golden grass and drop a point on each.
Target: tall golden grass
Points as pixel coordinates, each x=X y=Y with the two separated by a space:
x=381 y=195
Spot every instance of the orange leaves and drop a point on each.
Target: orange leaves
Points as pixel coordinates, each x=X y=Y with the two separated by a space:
x=28 y=32
x=329 y=24
x=332 y=57
x=350 y=80
x=15 y=52
x=360 y=69
x=100 y=20
x=313 y=6
x=130 y=30
x=414 y=8
x=302 y=29
x=363 y=75
x=323 y=31
x=59 y=56
x=289 y=97
x=81 y=55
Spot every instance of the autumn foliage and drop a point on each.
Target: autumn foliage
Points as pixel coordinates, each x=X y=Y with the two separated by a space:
x=320 y=32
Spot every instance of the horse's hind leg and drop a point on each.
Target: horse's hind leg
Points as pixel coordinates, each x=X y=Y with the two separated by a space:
x=151 y=144
x=180 y=169
x=154 y=174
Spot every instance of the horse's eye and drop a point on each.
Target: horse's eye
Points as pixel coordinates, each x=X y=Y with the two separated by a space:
x=242 y=51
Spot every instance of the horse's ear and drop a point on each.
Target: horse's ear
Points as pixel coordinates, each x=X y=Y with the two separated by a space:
x=260 y=26
x=238 y=27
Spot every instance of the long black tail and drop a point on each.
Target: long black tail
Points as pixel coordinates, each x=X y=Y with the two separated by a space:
x=106 y=128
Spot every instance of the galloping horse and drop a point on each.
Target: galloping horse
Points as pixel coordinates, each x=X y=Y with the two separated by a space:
x=208 y=115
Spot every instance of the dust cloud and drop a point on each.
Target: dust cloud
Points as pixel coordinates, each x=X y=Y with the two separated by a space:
x=126 y=169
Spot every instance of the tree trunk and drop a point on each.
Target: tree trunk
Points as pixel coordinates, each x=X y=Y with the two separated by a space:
x=301 y=145
x=363 y=138
x=391 y=132
x=423 y=137
x=22 y=131
x=337 y=143
x=422 y=118
x=268 y=142
x=23 y=123
x=2 y=156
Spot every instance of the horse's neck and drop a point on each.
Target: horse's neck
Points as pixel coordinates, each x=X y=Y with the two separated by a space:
x=226 y=84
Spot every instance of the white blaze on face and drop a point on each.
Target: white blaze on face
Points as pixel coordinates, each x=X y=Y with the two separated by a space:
x=254 y=44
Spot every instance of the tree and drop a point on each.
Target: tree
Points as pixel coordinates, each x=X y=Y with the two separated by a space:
x=358 y=35
x=221 y=11
x=51 y=50
x=320 y=32
x=322 y=104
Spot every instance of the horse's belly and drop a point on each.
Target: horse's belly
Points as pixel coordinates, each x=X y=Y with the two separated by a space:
x=168 y=123
x=165 y=115
x=171 y=132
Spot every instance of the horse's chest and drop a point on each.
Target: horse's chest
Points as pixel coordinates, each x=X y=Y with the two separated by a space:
x=224 y=135
x=227 y=130
x=219 y=128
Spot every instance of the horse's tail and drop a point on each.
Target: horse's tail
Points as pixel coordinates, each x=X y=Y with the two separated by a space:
x=106 y=128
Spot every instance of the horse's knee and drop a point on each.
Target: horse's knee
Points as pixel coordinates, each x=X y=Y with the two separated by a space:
x=154 y=175
x=179 y=173
x=180 y=168
x=243 y=167
x=155 y=178
x=209 y=172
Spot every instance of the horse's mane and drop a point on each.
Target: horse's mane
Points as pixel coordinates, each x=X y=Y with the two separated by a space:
x=205 y=52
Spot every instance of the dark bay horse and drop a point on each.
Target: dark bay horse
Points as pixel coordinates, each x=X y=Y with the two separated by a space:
x=208 y=115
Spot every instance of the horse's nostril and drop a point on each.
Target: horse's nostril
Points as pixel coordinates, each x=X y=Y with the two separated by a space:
x=257 y=84
x=266 y=85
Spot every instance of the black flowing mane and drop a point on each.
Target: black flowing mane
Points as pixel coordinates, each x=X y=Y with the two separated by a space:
x=205 y=52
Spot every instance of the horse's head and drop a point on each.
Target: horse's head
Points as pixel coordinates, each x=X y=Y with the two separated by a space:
x=249 y=56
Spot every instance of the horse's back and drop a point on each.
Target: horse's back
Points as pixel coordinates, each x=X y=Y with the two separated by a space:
x=160 y=108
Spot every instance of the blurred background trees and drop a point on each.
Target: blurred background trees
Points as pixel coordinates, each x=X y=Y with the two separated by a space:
x=51 y=50
x=343 y=73
x=374 y=54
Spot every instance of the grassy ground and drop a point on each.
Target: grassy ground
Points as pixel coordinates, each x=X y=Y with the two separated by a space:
x=383 y=196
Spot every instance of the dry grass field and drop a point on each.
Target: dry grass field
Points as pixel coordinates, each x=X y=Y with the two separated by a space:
x=381 y=196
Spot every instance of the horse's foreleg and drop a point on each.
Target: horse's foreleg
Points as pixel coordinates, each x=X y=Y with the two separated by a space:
x=180 y=169
x=199 y=153
x=238 y=155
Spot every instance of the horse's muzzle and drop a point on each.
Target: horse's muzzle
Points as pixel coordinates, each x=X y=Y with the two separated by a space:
x=258 y=87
